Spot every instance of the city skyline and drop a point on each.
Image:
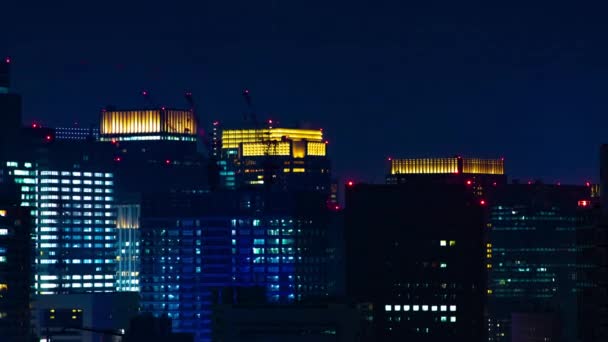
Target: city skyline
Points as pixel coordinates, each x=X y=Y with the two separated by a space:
x=500 y=81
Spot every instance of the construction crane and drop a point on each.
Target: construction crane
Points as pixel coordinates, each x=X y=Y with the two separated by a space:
x=254 y=120
x=198 y=121
x=153 y=104
x=267 y=165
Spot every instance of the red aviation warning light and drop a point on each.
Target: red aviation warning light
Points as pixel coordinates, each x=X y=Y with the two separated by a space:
x=482 y=202
x=584 y=203
x=469 y=182
x=350 y=183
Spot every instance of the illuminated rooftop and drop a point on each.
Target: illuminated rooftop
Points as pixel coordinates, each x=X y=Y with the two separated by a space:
x=150 y=123
x=232 y=138
x=453 y=165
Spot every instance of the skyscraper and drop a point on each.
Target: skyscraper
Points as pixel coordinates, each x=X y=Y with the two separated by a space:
x=414 y=259
x=161 y=141
x=16 y=252
x=287 y=159
x=75 y=234
x=476 y=173
x=195 y=244
x=533 y=256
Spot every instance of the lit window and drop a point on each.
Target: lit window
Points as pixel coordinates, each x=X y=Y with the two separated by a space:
x=434 y=308
x=425 y=308
x=444 y=319
x=444 y=308
x=3 y=231
x=388 y=308
x=452 y=243
x=453 y=319
x=443 y=265
x=397 y=307
x=452 y=307
x=406 y=308
x=416 y=308
x=443 y=243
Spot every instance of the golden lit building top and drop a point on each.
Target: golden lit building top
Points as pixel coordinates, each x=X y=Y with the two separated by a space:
x=232 y=138
x=151 y=123
x=447 y=165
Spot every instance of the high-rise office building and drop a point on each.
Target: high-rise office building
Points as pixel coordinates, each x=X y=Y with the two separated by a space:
x=289 y=159
x=16 y=252
x=194 y=244
x=75 y=232
x=533 y=257
x=477 y=174
x=415 y=260
x=162 y=141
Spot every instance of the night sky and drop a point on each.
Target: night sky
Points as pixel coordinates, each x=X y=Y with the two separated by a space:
x=382 y=78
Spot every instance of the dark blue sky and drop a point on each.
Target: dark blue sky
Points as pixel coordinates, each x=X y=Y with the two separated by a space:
x=398 y=78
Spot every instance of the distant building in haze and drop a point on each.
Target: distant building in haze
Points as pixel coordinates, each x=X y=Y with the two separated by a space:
x=478 y=174
x=415 y=259
x=534 y=255
x=76 y=133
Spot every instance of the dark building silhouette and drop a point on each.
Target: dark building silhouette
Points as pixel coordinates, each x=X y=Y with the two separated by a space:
x=534 y=255
x=10 y=111
x=597 y=320
x=301 y=322
x=415 y=260
x=148 y=328
x=532 y=327
x=92 y=317
x=16 y=249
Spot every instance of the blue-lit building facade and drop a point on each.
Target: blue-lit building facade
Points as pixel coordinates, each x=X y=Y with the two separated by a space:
x=75 y=227
x=232 y=242
x=127 y=225
x=533 y=257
